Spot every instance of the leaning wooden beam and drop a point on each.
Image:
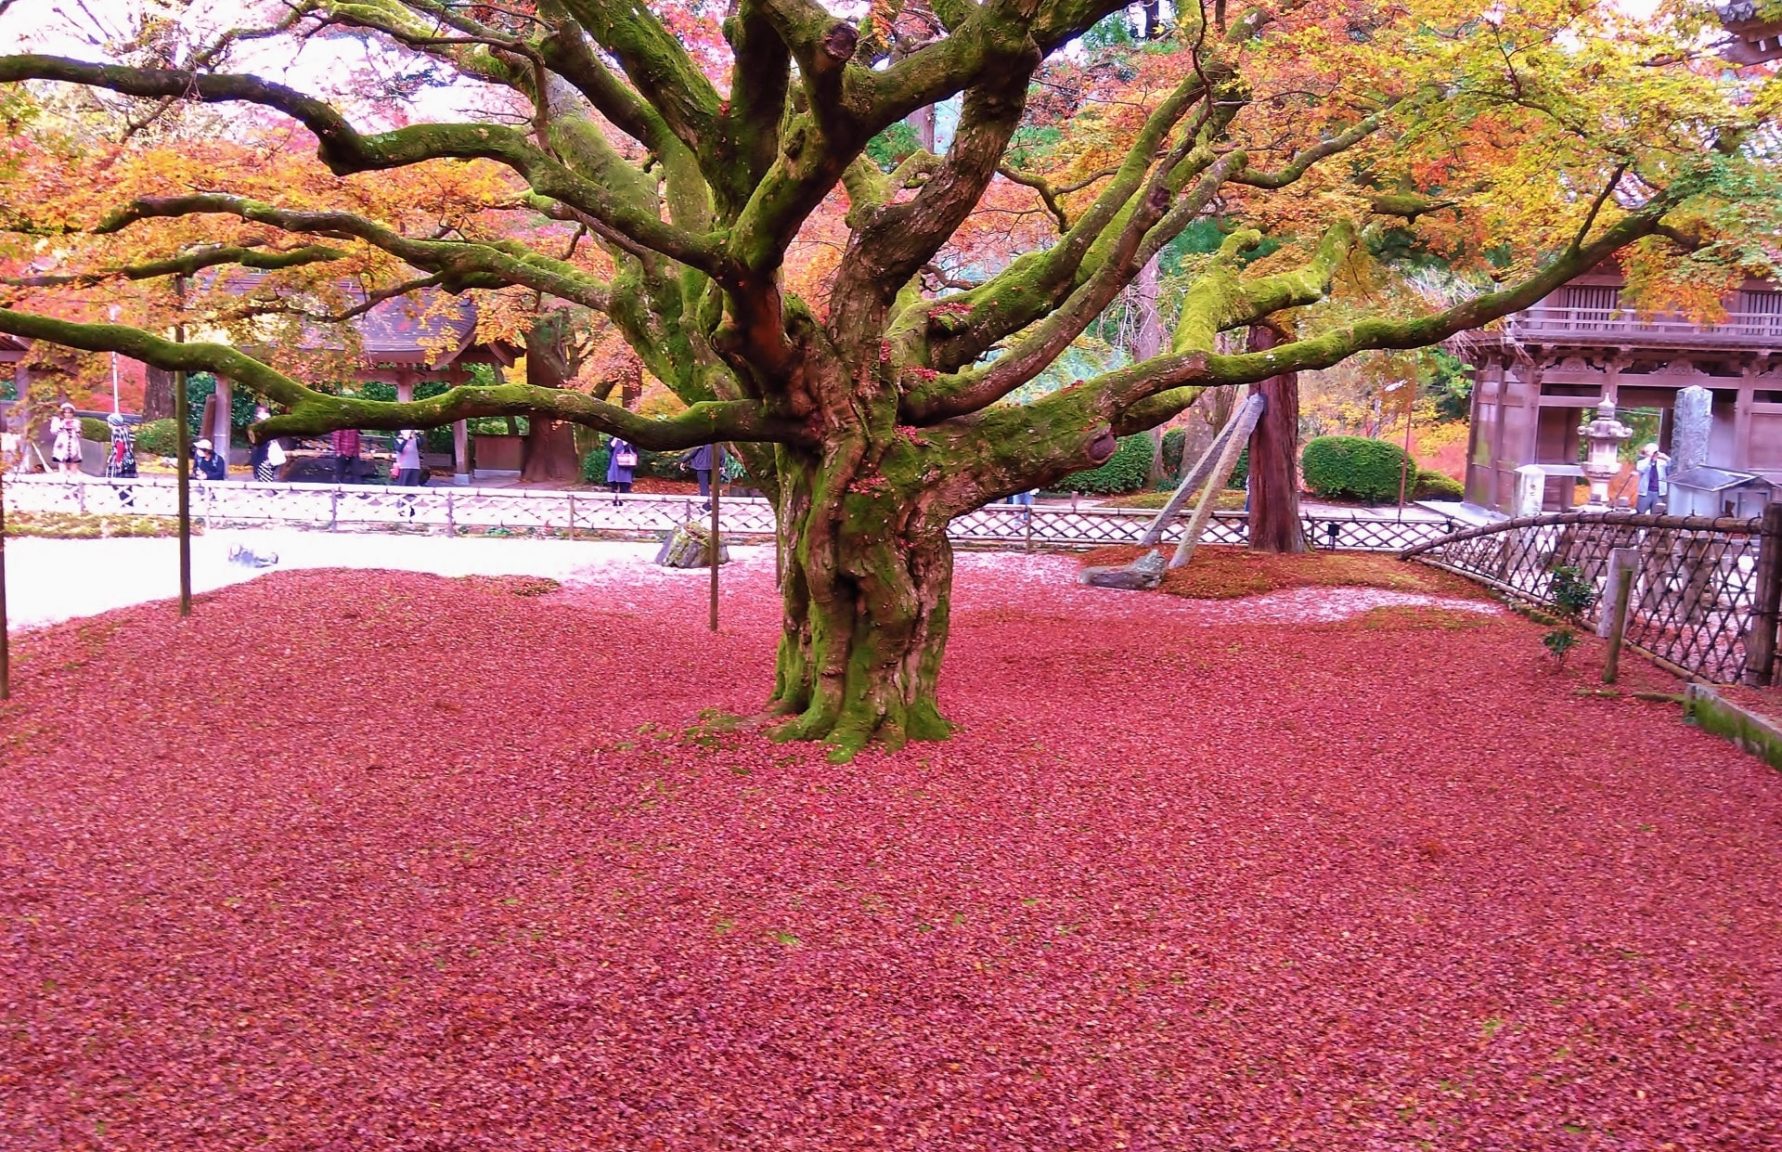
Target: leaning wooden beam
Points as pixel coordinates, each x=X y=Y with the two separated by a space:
x=1242 y=426
x=1195 y=475
x=1732 y=524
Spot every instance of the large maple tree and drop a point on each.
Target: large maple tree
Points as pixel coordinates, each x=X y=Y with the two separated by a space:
x=832 y=306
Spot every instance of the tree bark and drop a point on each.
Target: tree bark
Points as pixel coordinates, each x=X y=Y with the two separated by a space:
x=1274 y=488
x=865 y=583
x=157 y=395
x=922 y=120
x=548 y=455
x=1146 y=341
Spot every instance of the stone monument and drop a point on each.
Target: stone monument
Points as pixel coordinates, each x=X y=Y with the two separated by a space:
x=1531 y=489
x=1694 y=420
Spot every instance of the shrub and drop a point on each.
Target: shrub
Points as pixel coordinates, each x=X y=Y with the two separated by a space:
x=594 y=465
x=1173 y=442
x=158 y=438
x=1125 y=470
x=93 y=428
x=1437 y=486
x=1354 y=466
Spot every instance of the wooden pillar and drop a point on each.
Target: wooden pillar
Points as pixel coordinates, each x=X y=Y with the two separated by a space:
x=1741 y=453
x=219 y=429
x=405 y=387
x=1612 y=366
x=460 y=451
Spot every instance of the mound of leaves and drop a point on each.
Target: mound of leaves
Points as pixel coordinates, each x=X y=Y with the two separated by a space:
x=372 y=860
x=1223 y=573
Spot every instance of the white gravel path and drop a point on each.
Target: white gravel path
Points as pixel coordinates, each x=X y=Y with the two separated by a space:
x=52 y=580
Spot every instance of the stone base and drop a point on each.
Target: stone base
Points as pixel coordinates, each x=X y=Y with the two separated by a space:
x=1142 y=574
x=686 y=547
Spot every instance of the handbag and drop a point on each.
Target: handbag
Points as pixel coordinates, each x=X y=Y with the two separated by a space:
x=626 y=459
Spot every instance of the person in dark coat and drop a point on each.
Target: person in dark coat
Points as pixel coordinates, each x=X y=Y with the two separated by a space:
x=620 y=461
x=700 y=460
x=206 y=463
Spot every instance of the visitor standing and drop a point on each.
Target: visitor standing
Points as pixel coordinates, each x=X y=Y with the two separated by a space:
x=621 y=459
x=267 y=455
x=1654 y=470
x=65 y=441
x=407 y=468
x=700 y=460
x=120 y=462
x=346 y=455
x=206 y=463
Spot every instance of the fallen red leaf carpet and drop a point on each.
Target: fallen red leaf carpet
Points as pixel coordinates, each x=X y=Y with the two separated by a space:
x=366 y=861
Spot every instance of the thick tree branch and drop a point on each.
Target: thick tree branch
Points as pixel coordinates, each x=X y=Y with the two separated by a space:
x=346 y=151
x=312 y=412
x=208 y=256
x=656 y=64
x=951 y=396
x=461 y=264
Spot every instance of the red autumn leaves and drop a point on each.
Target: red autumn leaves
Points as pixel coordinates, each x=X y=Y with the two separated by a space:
x=358 y=861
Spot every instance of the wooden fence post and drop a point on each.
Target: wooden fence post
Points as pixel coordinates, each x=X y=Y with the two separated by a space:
x=1766 y=597
x=1618 y=621
x=572 y=515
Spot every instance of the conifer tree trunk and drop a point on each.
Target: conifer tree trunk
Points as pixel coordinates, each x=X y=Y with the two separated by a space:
x=1274 y=446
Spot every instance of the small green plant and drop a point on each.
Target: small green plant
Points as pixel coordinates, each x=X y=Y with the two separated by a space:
x=1572 y=597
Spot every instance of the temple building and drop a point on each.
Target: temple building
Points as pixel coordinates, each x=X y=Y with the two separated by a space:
x=1538 y=375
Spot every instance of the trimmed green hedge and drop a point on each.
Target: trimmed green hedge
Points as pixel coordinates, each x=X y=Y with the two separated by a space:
x=93 y=428
x=1354 y=466
x=1437 y=486
x=158 y=438
x=594 y=465
x=1125 y=470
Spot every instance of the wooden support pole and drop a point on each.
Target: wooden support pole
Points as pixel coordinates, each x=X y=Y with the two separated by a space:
x=182 y=435
x=1766 y=598
x=5 y=645
x=713 y=545
x=1618 y=621
x=1243 y=423
x=1190 y=479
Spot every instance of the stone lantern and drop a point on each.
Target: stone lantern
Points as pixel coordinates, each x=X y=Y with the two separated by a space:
x=1603 y=438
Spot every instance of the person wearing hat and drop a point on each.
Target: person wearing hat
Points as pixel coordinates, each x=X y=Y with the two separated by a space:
x=1654 y=470
x=120 y=462
x=65 y=440
x=206 y=463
